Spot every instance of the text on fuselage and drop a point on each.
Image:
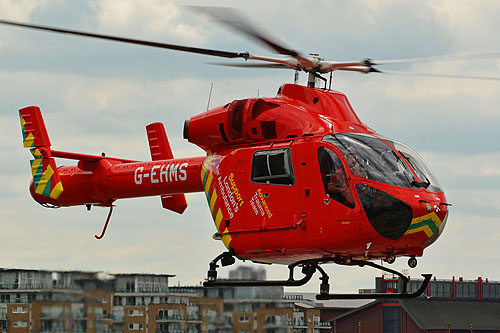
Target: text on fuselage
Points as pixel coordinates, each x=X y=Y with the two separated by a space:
x=162 y=173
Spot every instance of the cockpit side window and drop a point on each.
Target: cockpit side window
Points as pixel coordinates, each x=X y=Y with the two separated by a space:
x=334 y=177
x=273 y=166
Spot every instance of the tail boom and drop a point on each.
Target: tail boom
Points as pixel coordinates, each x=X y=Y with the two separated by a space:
x=101 y=180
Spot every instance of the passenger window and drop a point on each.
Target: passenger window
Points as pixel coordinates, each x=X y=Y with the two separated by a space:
x=334 y=178
x=273 y=166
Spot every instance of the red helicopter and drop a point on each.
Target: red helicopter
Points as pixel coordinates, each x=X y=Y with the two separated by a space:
x=295 y=179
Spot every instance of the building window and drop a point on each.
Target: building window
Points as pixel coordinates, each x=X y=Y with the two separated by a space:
x=105 y=300
x=20 y=324
x=244 y=319
x=135 y=327
x=134 y=313
x=19 y=309
x=392 y=319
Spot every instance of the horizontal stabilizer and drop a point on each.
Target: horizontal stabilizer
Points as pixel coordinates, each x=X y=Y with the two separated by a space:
x=160 y=150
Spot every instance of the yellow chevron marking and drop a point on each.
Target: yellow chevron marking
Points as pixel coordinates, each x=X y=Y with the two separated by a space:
x=424 y=228
x=36 y=153
x=431 y=216
x=226 y=238
x=44 y=180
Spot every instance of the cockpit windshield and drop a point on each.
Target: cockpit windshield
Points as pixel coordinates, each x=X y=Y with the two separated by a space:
x=372 y=158
x=423 y=172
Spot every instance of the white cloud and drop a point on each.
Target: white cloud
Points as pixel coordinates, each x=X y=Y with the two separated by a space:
x=19 y=10
x=105 y=107
x=150 y=19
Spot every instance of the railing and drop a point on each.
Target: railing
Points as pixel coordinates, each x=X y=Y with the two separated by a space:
x=37 y=286
x=171 y=317
x=193 y=317
x=60 y=316
x=180 y=290
x=293 y=297
x=143 y=290
x=278 y=323
x=299 y=323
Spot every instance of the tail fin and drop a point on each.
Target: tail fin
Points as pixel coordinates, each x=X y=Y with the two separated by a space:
x=46 y=179
x=160 y=150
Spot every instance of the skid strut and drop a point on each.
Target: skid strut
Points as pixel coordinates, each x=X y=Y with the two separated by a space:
x=309 y=267
x=400 y=295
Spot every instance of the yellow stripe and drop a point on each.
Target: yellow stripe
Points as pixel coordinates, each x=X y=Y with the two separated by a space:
x=212 y=201
x=203 y=172
x=28 y=142
x=226 y=238
x=209 y=182
x=44 y=180
x=56 y=191
x=218 y=219
x=23 y=122
x=35 y=165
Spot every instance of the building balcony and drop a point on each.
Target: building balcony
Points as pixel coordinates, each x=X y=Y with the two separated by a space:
x=299 y=323
x=57 y=316
x=277 y=325
x=170 y=318
x=177 y=330
x=193 y=317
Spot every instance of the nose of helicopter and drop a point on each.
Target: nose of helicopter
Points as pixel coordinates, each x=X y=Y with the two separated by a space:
x=394 y=218
x=429 y=218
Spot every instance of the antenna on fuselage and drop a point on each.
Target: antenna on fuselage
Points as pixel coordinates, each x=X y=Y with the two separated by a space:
x=210 y=96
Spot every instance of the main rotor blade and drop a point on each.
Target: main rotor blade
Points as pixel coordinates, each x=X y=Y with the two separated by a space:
x=216 y=53
x=248 y=65
x=234 y=20
x=437 y=75
x=472 y=56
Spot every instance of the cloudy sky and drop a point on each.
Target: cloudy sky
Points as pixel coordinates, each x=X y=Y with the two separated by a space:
x=98 y=96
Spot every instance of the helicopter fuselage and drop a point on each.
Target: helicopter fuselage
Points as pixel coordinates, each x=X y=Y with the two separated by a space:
x=289 y=178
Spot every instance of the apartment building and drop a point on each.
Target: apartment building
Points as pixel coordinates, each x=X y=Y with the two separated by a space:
x=76 y=301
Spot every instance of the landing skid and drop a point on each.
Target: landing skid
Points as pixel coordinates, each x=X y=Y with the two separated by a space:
x=309 y=267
